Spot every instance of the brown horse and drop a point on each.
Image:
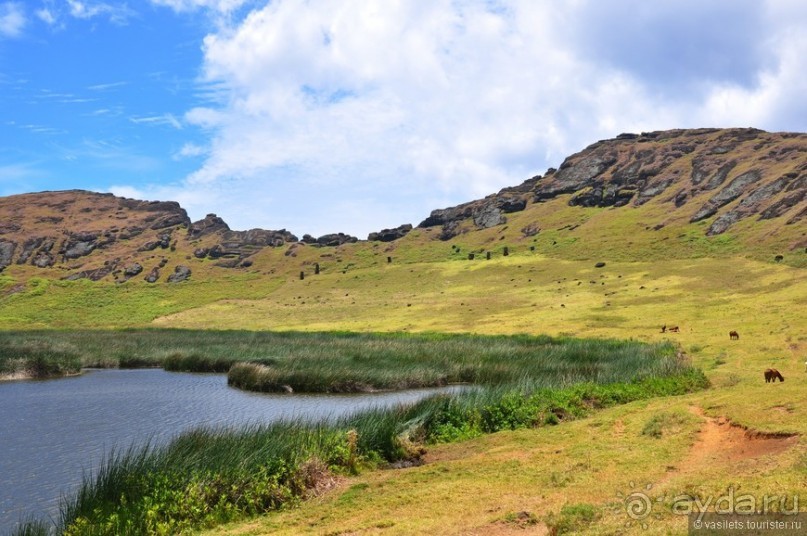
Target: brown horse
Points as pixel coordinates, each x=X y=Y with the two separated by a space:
x=772 y=374
x=673 y=329
x=733 y=335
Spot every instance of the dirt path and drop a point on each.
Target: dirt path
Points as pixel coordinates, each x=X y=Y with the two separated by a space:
x=722 y=443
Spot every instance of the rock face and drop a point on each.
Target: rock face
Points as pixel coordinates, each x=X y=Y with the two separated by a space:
x=60 y=228
x=390 y=235
x=484 y=213
x=6 y=253
x=234 y=245
x=744 y=173
x=210 y=224
x=95 y=274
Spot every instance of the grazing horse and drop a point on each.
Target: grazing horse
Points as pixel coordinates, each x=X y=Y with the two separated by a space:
x=772 y=374
x=733 y=335
x=674 y=329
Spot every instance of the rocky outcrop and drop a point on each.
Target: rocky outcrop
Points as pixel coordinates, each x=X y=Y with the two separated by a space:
x=331 y=239
x=29 y=247
x=728 y=194
x=784 y=204
x=163 y=214
x=130 y=232
x=95 y=274
x=577 y=173
x=163 y=241
x=209 y=225
x=749 y=205
x=6 y=253
x=634 y=169
x=235 y=245
x=336 y=239
x=80 y=244
x=181 y=273
x=390 y=235
x=675 y=167
x=484 y=213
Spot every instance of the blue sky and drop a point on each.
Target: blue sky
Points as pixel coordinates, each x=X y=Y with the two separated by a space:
x=354 y=115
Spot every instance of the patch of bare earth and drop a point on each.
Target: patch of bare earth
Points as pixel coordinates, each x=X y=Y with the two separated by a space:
x=520 y=523
x=722 y=442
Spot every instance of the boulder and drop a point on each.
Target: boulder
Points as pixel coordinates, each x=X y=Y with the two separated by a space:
x=228 y=263
x=390 y=235
x=132 y=270
x=78 y=249
x=153 y=275
x=181 y=273
x=336 y=239
x=151 y=245
x=129 y=232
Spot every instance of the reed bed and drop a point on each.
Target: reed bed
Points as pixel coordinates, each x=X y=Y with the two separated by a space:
x=348 y=362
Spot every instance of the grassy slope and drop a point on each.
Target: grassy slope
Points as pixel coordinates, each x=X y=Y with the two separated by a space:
x=475 y=485
x=701 y=284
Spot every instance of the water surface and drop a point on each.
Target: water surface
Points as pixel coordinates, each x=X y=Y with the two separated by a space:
x=54 y=431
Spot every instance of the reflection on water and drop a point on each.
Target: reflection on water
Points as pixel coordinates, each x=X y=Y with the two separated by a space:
x=53 y=431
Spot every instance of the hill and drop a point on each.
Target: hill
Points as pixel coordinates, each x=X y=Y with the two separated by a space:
x=679 y=193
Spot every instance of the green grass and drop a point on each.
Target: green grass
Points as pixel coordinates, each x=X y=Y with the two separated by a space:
x=349 y=362
x=666 y=423
x=37 y=358
x=49 y=303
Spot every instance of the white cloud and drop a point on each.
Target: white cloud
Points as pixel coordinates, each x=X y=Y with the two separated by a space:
x=12 y=19
x=223 y=6
x=410 y=106
x=190 y=150
x=164 y=119
x=108 y=86
x=47 y=16
x=118 y=14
